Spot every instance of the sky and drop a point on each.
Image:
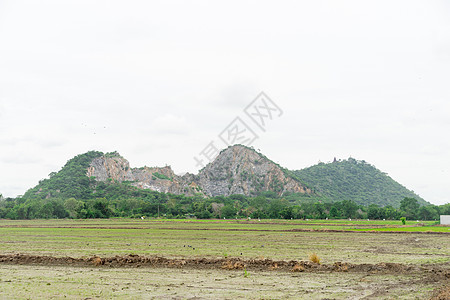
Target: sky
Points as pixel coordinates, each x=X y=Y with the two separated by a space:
x=161 y=81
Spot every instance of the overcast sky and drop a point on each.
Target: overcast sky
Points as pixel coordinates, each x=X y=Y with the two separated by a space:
x=159 y=80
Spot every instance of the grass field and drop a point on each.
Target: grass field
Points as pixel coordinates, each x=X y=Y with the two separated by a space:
x=355 y=242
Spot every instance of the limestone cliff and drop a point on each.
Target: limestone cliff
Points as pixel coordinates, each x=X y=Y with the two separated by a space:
x=241 y=170
x=110 y=166
x=163 y=180
x=237 y=170
x=113 y=167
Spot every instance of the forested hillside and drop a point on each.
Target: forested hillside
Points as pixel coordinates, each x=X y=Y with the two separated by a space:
x=243 y=183
x=70 y=182
x=357 y=181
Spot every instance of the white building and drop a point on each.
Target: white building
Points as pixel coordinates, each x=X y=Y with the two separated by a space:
x=445 y=219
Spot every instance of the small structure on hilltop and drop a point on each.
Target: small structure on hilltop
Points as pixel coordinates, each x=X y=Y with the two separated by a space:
x=445 y=219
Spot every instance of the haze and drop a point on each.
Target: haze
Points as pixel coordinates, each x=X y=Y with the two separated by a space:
x=159 y=80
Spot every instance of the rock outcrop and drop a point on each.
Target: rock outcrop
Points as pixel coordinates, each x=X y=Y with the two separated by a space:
x=237 y=170
x=113 y=167
x=110 y=166
x=241 y=170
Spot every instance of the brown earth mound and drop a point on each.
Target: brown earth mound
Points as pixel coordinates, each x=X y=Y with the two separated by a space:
x=437 y=271
x=442 y=294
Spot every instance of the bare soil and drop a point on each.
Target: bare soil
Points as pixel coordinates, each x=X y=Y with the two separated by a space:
x=183 y=262
x=442 y=293
x=142 y=277
x=433 y=271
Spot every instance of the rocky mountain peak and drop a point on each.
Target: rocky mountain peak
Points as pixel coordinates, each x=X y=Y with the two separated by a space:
x=242 y=170
x=237 y=170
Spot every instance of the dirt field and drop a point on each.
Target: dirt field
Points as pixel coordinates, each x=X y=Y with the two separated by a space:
x=201 y=260
x=76 y=282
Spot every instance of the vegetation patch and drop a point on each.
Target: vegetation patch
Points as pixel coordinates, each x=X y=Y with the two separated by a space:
x=161 y=176
x=355 y=180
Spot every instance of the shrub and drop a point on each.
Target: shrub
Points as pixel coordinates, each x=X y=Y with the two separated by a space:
x=314 y=258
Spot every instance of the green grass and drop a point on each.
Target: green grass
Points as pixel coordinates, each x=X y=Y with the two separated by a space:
x=412 y=229
x=272 y=239
x=214 y=238
x=215 y=223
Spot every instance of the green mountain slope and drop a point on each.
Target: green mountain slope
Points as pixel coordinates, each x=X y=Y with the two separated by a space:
x=70 y=181
x=341 y=180
x=357 y=181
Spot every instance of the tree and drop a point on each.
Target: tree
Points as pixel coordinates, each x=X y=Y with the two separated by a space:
x=259 y=202
x=101 y=209
x=228 y=211
x=276 y=207
x=72 y=206
x=349 y=208
x=374 y=212
x=319 y=210
x=203 y=214
x=22 y=212
x=444 y=209
x=410 y=207
x=334 y=213
x=58 y=210
x=428 y=212
x=217 y=209
x=287 y=213
x=46 y=211
x=391 y=213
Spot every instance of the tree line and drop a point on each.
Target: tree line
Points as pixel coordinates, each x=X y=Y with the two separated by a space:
x=154 y=204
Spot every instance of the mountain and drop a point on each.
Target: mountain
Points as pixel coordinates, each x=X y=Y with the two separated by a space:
x=236 y=170
x=355 y=180
x=242 y=170
x=70 y=181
